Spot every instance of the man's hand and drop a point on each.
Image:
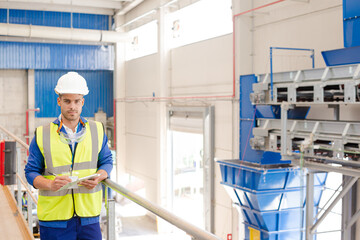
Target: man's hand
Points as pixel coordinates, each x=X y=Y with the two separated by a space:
x=59 y=182
x=91 y=183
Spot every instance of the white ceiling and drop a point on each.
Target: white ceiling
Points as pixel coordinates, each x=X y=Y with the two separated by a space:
x=107 y=7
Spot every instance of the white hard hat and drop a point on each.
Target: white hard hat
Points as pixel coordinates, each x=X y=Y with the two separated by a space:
x=71 y=83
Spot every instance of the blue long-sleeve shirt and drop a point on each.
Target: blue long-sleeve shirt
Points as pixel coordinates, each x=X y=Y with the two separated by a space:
x=36 y=167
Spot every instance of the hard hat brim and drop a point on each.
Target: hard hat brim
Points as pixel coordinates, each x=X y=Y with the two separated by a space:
x=71 y=92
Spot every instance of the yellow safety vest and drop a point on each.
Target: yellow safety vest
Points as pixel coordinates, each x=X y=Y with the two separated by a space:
x=62 y=205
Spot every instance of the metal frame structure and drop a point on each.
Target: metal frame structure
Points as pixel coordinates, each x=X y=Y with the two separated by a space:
x=331 y=85
x=331 y=146
x=312 y=56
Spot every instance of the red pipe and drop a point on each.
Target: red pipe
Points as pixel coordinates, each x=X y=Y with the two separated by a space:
x=27 y=125
x=257 y=8
x=234 y=78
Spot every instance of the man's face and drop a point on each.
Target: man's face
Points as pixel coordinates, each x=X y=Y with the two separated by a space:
x=71 y=106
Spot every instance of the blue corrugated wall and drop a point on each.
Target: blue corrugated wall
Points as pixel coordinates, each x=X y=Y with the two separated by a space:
x=100 y=84
x=55 y=19
x=17 y=55
x=50 y=61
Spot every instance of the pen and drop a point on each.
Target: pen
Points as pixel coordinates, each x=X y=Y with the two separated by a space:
x=52 y=174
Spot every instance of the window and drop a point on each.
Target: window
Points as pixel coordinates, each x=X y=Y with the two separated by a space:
x=202 y=20
x=143 y=41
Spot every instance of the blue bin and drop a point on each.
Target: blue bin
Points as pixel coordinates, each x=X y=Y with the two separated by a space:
x=284 y=220
x=270 y=199
x=274 y=200
x=243 y=175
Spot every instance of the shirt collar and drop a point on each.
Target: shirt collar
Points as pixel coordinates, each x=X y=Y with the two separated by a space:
x=57 y=122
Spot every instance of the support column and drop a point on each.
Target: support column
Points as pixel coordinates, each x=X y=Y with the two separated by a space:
x=357 y=223
x=164 y=91
x=348 y=210
x=163 y=167
x=243 y=64
x=31 y=116
x=309 y=204
x=285 y=146
x=119 y=93
x=31 y=102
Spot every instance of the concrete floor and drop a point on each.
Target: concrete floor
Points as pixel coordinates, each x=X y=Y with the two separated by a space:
x=136 y=224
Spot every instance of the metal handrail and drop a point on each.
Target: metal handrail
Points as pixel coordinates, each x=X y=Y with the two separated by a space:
x=15 y=138
x=27 y=189
x=27 y=148
x=192 y=230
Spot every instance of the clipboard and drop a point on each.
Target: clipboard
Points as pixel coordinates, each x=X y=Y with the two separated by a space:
x=75 y=183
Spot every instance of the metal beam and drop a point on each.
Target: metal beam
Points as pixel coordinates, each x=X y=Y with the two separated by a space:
x=329 y=168
x=346 y=188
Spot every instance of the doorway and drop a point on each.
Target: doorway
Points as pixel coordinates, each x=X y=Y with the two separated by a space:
x=191 y=161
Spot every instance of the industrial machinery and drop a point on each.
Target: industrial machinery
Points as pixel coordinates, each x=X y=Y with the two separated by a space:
x=321 y=143
x=267 y=188
x=278 y=180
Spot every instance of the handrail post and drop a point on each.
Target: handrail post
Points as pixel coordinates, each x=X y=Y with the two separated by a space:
x=110 y=215
x=29 y=209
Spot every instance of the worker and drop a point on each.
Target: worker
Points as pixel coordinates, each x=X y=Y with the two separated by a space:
x=24 y=204
x=69 y=148
x=24 y=201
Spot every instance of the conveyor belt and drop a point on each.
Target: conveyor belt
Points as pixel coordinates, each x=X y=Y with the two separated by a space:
x=12 y=223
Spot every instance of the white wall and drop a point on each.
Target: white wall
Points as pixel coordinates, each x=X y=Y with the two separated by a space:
x=203 y=68
x=141 y=124
x=316 y=24
x=13 y=105
x=13 y=101
x=142 y=76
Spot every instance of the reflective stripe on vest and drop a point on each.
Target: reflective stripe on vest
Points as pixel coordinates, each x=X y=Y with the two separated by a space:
x=61 y=205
